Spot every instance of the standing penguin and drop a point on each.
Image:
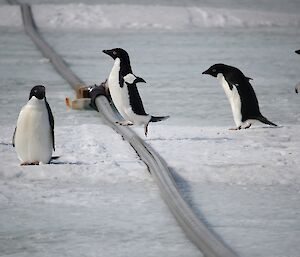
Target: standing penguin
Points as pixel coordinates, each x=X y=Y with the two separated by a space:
x=240 y=93
x=124 y=93
x=34 y=134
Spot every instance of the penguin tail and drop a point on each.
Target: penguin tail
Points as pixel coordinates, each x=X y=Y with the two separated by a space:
x=266 y=121
x=158 y=118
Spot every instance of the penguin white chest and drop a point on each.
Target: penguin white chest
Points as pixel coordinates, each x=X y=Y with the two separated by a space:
x=234 y=99
x=33 y=140
x=118 y=94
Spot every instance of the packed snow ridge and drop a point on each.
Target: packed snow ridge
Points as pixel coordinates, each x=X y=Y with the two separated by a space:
x=101 y=17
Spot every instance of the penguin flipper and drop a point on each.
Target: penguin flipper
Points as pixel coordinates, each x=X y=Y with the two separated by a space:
x=51 y=121
x=265 y=121
x=131 y=79
x=13 y=139
x=139 y=80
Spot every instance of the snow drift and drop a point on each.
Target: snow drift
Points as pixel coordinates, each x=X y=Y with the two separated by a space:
x=101 y=17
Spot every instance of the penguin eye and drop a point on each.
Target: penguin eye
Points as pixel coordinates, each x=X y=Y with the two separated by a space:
x=114 y=53
x=214 y=70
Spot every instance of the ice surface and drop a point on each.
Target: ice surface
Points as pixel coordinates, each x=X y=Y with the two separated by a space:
x=254 y=220
x=10 y=16
x=98 y=199
x=244 y=184
x=290 y=6
x=259 y=156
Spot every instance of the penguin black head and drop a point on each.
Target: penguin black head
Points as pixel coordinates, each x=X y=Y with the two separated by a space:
x=37 y=91
x=297 y=51
x=216 y=69
x=226 y=70
x=123 y=56
x=117 y=53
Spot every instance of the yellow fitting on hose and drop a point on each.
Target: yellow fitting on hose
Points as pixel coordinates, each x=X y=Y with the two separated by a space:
x=82 y=101
x=78 y=104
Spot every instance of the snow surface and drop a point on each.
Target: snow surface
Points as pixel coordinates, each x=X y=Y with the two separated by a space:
x=97 y=17
x=10 y=16
x=259 y=156
x=98 y=199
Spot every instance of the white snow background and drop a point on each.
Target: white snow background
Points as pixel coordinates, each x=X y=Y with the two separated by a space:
x=98 y=199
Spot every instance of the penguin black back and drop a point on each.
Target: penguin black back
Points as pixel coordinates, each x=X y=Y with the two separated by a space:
x=135 y=100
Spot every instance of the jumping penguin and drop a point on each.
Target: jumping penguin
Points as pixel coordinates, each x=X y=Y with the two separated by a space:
x=124 y=93
x=34 y=134
x=240 y=93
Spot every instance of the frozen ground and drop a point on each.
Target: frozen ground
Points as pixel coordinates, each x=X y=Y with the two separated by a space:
x=98 y=199
x=245 y=185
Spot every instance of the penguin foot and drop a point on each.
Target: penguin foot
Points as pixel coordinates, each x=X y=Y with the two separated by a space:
x=30 y=163
x=124 y=123
x=237 y=128
x=247 y=126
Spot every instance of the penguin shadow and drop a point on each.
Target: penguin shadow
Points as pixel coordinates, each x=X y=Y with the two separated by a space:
x=67 y=163
x=267 y=127
x=55 y=161
x=5 y=144
x=192 y=139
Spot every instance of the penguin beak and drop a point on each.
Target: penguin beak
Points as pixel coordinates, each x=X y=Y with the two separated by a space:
x=108 y=52
x=206 y=72
x=297 y=51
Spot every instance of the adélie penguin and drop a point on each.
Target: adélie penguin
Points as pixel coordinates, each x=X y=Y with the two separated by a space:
x=34 y=134
x=241 y=95
x=124 y=93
